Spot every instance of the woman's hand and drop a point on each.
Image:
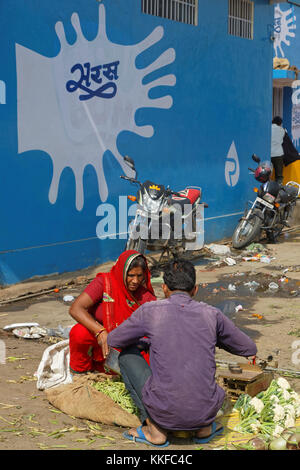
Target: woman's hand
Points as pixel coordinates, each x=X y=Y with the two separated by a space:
x=102 y=341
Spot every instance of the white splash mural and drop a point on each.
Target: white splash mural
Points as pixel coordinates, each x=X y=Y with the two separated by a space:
x=284 y=27
x=74 y=106
x=295 y=125
x=232 y=166
x=2 y=92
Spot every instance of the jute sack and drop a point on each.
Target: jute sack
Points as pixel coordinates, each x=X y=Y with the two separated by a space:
x=82 y=400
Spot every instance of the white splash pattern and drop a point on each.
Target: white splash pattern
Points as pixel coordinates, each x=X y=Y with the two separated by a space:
x=232 y=166
x=283 y=28
x=76 y=131
x=296 y=124
x=2 y=92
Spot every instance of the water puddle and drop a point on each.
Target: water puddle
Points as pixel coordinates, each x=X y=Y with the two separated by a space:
x=293 y=237
x=232 y=291
x=203 y=261
x=230 y=308
x=262 y=285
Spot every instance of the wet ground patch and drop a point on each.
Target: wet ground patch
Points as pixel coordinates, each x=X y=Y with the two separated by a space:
x=237 y=294
x=244 y=286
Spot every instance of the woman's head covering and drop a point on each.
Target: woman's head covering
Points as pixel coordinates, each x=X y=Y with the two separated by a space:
x=120 y=269
x=118 y=302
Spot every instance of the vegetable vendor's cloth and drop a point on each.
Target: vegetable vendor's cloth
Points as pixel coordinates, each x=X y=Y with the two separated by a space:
x=113 y=304
x=181 y=393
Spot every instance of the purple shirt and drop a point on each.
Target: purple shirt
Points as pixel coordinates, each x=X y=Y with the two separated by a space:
x=182 y=393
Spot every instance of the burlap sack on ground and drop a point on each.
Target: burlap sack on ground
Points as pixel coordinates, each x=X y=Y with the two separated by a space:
x=82 y=400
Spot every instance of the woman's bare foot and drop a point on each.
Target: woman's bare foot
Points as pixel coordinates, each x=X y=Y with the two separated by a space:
x=153 y=433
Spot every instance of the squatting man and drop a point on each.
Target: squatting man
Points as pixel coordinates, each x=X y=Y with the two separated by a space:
x=177 y=391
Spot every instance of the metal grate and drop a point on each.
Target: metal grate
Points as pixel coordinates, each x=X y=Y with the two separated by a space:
x=185 y=11
x=241 y=18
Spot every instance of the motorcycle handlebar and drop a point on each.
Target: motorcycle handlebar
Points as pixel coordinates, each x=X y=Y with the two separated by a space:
x=129 y=179
x=169 y=192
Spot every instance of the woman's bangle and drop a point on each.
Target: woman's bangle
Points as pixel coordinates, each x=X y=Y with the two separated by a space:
x=99 y=332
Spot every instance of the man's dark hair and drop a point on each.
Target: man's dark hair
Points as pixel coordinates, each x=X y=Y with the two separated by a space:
x=180 y=275
x=277 y=120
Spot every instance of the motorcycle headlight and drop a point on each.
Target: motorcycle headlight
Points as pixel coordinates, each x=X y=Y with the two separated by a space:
x=150 y=205
x=269 y=198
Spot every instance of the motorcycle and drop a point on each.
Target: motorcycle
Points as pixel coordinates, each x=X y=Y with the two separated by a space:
x=270 y=211
x=164 y=219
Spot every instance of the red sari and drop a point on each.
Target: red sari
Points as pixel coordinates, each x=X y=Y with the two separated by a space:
x=114 y=305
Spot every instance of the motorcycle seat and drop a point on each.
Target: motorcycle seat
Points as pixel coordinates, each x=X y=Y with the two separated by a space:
x=288 y=193
x=187 y=196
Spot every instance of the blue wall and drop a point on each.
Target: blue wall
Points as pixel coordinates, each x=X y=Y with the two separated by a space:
x=223 y=94
x=287 y=46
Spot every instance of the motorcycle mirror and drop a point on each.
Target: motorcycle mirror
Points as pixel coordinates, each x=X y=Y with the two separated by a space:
x=130 y=162
x=255 y=158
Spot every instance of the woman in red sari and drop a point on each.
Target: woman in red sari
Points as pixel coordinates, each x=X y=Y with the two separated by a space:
x=104 y=304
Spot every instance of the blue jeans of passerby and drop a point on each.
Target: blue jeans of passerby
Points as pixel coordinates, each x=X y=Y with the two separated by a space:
x=135 y=372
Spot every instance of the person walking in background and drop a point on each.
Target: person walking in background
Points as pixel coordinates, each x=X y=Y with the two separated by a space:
x=277 y=153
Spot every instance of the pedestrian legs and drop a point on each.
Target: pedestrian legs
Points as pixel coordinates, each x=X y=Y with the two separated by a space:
x=278 y=168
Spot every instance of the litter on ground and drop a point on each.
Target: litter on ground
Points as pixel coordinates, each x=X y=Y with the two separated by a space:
x=219 y=249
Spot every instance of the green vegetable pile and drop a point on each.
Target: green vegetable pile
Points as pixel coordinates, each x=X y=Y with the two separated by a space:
x=271 y=412
x=116 y=390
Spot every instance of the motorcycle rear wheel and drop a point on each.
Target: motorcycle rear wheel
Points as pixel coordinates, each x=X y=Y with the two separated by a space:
x=245 y=234
x=272 y=235
x=137 y=245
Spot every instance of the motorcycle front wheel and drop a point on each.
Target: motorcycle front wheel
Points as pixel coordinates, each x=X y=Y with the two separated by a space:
x=138 y=245
x=247 y=231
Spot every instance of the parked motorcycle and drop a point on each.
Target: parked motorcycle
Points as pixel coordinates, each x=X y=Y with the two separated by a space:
x=164 y=219
x=271 y=210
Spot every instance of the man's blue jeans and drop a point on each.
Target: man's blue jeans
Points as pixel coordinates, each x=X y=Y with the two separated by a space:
x=135 y=372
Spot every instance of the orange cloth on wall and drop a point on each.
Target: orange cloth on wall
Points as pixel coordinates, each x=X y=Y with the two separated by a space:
x=292 y=172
